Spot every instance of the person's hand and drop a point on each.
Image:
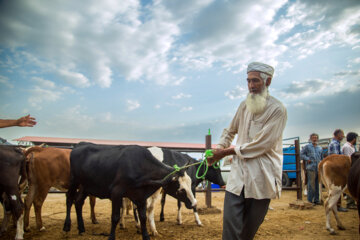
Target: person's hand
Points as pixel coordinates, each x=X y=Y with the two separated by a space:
x=26 y=121
x=217 y=155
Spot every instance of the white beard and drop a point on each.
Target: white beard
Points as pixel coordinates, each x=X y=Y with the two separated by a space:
x=256 y=103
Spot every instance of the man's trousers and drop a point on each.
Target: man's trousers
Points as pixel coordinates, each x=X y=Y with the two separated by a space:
x=242 y=216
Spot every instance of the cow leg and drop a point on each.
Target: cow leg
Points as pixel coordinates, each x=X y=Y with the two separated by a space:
x=38 y=202
x=16 y=207
x=197 y=218
x=128 y=206
x=150 y=215
x=70 y=196
x=142 y=215
x=162 y=206
x=339 y=224
x=78 y=206
x=92 y=209
x=116 y=204
x=330 y=205
x=5 y=222
x=179 y=220
x=136 y=217
x=20 y=228
x=28 y=202
x=122 y=215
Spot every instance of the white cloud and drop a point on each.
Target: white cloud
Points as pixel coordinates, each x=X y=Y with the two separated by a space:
x=5 y=81
x=74 y=78
x=236 y=93
x=186 y=109
x=181 y=95
x=46 y=91
x=99 y=38
x=106 y=117
x=312 y=88
x=43 y=83
x=41 y=96
x=76 y=118
x=132 y=105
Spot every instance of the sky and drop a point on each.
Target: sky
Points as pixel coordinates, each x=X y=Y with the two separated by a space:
x=170 y=70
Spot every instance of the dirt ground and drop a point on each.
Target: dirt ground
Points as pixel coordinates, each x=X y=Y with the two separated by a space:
x=282 y=222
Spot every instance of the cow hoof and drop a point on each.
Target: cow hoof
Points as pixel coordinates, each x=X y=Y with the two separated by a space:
x=341 y=227
x=200 y=224
x=42 y=229
x=66 y=228
x=122 y=226
x=27 y=229
x=94 y=221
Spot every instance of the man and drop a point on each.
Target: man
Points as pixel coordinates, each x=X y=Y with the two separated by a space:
x=26 y=121
x=349 y=146
x=312 y=154
x=348 y=149
x=334 y=148
x=256 y=168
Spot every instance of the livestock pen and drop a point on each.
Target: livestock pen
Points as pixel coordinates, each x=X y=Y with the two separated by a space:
x=280 y=223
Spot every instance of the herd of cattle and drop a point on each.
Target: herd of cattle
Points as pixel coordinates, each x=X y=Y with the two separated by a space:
x=130 y=172
x=117 y=173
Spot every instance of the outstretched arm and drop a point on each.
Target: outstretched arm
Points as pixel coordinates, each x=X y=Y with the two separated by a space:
x=26 y=121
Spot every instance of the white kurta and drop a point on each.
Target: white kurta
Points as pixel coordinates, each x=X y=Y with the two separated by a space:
x=257 y=166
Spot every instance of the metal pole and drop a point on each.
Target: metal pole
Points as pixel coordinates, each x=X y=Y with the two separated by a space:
x=298 y=170
x=208 y=188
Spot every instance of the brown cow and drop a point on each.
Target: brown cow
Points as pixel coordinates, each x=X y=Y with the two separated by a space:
x=333 y=172
x=354 y=180
x=46 y=168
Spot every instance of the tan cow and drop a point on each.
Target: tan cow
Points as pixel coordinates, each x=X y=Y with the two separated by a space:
x=47 y=167
x=333 y=172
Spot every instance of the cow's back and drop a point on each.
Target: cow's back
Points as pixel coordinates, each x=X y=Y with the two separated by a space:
x=172 y=157
x=94 y=166
x=335 y=168
x=49 y=167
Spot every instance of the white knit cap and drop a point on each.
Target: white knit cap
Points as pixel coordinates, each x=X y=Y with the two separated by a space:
x=260 y=67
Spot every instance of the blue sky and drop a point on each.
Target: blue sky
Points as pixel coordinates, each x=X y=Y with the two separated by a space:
x=169 y=70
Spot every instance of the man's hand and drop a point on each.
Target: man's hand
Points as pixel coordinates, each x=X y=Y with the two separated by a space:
x=219 y=154
x=26 y=121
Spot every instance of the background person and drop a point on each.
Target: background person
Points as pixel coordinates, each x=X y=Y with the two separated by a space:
x=312 y=154
x=334 y=146
x=348 y=149
x=256 y=168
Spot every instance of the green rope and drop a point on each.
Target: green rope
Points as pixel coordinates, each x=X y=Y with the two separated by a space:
x=203 y=163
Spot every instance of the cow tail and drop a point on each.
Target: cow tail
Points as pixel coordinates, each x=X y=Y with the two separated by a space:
x=30 y=166
x=23 y=176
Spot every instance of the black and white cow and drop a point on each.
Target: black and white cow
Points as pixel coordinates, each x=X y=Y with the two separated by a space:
x=117 y=172
x=171 y=157
x=12 y=167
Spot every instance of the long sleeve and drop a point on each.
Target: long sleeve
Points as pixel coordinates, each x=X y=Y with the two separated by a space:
x=266 y=138
x=304 y=154
x=229 y=133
